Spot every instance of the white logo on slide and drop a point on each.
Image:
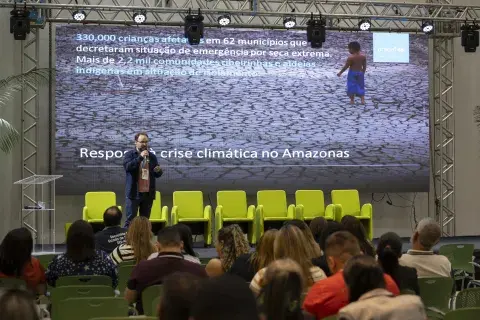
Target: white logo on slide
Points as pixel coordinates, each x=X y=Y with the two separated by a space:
x=394 y=49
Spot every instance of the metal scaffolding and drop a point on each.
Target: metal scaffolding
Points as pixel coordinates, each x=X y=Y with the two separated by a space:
x=339 y=14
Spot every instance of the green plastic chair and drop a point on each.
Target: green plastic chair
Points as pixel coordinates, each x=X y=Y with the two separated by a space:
x=461 y=257
x=272 y=206
x=155 y=303
x=232 y=208
x=188 y=208
x=205 y=261
x=66 y=292
x=468 y=298
x=347 y=202
x=463 y=314
x=12 y=283
x=124 y=272
x=149 y=294
x=126 y=318
x=84 y=281
x=310 y=204
x=95 y=205
x=45 y=259
x=89 y=308
x=159 y=214
x=436 y=292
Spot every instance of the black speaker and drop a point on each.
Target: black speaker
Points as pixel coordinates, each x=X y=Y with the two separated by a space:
x=19 y=24
x=470 y=40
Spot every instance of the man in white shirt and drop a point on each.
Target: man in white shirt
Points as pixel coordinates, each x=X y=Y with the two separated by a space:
x=421 y=256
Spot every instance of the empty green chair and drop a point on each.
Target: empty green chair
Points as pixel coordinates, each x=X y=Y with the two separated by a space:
x=124 y=272
x=95 y=205
x=461 y=257
x=12 y=283
x=232 y=208
x=158 y=214
x=468 y=298
x=188 y=208
x=463 y=314
x=272 y=206
x=436 y=292
x=149 y=294
x=89 y=308
x=347 y=202
x=310 y=204
x=83 y=281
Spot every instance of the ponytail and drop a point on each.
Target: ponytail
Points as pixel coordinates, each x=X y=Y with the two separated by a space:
x=389 y=261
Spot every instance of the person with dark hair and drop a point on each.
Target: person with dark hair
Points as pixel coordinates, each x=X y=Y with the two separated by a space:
x=328 y=296
x=281 y=295
x=170 y=260
x=16 y=304
x=81 y=258
x=357 y=66
x=187 y=244
x=141 y=167
x=355 y=227
x=113 y=235
x=317 y=226
x=225 y=297
x=16 y=260
x=330 y=228
x=389 y=251
x=178 y=295
x=369 y=298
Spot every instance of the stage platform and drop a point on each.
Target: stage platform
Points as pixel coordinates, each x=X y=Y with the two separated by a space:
x=211 y=253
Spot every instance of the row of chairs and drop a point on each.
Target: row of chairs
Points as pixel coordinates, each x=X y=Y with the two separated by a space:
x=232 y=207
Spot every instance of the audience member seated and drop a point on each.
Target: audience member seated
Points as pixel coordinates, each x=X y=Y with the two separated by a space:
x=421 y=256
x=314 y=248
x=225 y=297
x=290 y=243
x=18 y=304
x=355 y=227
x=138 y=245
x=231 y=244
x=16 y=260
x=330 y=228
x=81 y=258
x=328 y=296
x=150 y=272
x=389 y=250
x=317 y=226
x=187 y=244
x=281 y=296
x=248 y=264
x=370 y=300
x=178 y=295
x=113 y=235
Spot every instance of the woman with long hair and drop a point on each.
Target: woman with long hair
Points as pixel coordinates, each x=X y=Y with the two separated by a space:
x=231 y=243
x=355 y=227
x=317 y=226
x=16 y=260
x=314 y=248
x=81 y=258
x=281 y=295
x=138 y=245
x=16 y=304
x=187 y=244
x=291 y=243
x=248 y=264
x=389 y=251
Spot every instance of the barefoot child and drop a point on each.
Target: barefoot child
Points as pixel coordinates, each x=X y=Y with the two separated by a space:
x=356 y=65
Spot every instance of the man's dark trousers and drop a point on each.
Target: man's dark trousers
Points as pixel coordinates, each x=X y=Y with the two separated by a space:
x=143 y=204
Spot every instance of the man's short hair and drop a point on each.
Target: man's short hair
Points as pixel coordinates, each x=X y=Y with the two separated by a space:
x=354 y=46
x=140 y=134
x=112 y=216
x=169 y=237
x=342 y=245
x=429 y=233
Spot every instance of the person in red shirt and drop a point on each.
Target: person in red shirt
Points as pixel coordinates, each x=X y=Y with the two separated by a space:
x=16 y=260
x=328 y=296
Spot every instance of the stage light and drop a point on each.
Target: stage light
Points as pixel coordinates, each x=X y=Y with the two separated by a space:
x=289 y=22
x=316 y=32
x=470 y=37
x=79 y=15
x=194 y=27
x=224 y=20
x=20 y=23
x=427 y=27
x=140 y=17
x=364 y=24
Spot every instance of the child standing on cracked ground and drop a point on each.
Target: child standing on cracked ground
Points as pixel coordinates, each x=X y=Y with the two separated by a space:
x=356 y=65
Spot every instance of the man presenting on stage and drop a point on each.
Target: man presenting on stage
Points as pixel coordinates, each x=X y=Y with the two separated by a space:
x=141 y=168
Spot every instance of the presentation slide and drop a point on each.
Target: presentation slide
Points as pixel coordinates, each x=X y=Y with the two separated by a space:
x=244 y=109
